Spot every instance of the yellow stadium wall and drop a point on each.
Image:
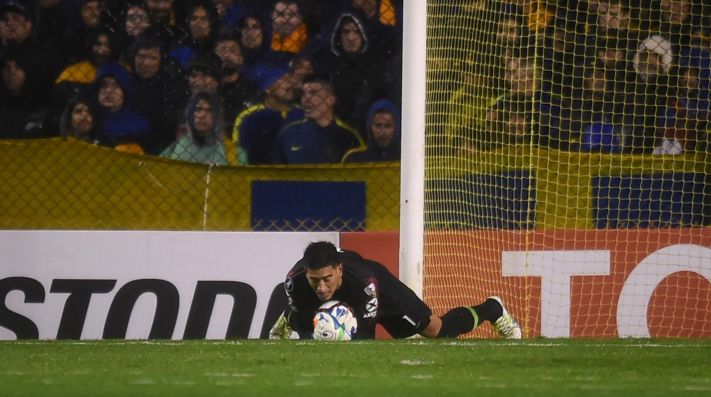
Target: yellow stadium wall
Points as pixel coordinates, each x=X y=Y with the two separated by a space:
x=66 y=184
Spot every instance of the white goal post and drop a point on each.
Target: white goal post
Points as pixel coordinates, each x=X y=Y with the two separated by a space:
x=412 y=187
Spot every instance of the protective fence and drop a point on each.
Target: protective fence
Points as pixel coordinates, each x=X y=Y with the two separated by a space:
x=97 y=96
x=567 y=163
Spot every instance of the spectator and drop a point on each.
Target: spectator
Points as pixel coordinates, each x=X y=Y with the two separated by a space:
x=84 y=20
x=522 y=78
x=204 y=142
x=679 y=18
x=687 y=118
x=119 y=123
x=134 y=19
x=41 y=61
x=383 y=127
x=255 y=49
x=320 y=137
x=158 y=89
x=162 y=19
x=49 y=19
x=356 y=75
x=202 y=29
x=562 y=53
x=229 y=13
x=318 y=15
x=22 y=114
x=510 y=30
x=256 y=128
x=382 y=20
x=236 y=92
x=612 y=55
x=78 y=120
x=647 y=95
x=613 y=22
x=289 y=32
x=597 y=114
x=301 y=67
x=204 y=74
x=79 y=76
x=515 y=123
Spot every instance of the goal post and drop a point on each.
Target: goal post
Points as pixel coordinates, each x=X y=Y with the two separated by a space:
x=558 y=154
x=412 y=188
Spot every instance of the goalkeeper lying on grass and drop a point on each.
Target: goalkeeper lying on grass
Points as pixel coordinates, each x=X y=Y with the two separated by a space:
x=376 y=297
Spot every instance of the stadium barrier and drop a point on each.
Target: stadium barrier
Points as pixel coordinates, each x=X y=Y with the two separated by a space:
x=74 y=185
x=195 y=285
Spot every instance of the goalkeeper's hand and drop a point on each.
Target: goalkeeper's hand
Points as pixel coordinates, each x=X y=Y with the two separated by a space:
x=281 y=329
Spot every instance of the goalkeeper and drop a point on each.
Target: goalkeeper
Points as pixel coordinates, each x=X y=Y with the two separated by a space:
x=376 y=296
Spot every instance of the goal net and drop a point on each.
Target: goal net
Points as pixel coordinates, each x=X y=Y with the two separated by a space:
x=567 y=164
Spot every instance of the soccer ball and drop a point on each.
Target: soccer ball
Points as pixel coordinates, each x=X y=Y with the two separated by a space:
x=334 y=320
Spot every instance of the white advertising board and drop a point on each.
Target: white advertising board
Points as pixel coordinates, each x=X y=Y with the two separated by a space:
x=142 y=284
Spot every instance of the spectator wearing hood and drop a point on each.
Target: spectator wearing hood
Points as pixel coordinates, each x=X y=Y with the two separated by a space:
x=119 y=123
x=319 y=138
x=648 y=94
x=383 y=128
x=383 y=23
x=204 y=142
x=256 y=128
x=357 y=77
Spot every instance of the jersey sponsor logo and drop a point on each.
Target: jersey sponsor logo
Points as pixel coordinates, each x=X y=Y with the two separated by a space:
x=371 y=308
x=370 y=290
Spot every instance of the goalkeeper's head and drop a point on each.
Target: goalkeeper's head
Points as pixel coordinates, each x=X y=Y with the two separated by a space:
x=324 y=271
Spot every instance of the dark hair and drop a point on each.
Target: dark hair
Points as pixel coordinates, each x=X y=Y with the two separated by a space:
x=320 y=254
x=325 y=81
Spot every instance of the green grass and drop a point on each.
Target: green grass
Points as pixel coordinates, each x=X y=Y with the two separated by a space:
x=436 y=368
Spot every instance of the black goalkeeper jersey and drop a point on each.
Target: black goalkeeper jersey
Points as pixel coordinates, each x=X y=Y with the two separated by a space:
x=374 y=294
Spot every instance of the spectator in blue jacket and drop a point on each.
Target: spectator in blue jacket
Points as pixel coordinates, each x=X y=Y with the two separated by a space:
x=383 y=129
x=320 y=137
x=256 y=128
x=119 y=122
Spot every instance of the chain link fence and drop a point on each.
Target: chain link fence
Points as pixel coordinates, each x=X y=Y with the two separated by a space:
x=200 y=114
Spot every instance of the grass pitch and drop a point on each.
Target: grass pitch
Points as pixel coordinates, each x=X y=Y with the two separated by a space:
x=433 y=368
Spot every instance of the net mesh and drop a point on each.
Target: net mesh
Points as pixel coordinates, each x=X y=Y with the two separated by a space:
x=567 y=164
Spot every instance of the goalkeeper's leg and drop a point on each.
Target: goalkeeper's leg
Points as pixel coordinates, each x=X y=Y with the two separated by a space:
x=461 y=320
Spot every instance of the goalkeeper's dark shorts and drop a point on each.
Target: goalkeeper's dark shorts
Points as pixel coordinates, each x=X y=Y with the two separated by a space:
x=402 y=313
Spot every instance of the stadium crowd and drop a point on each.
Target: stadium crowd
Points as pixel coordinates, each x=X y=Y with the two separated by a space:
x=210 y=81
x=614 y=76
x=309 y=81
